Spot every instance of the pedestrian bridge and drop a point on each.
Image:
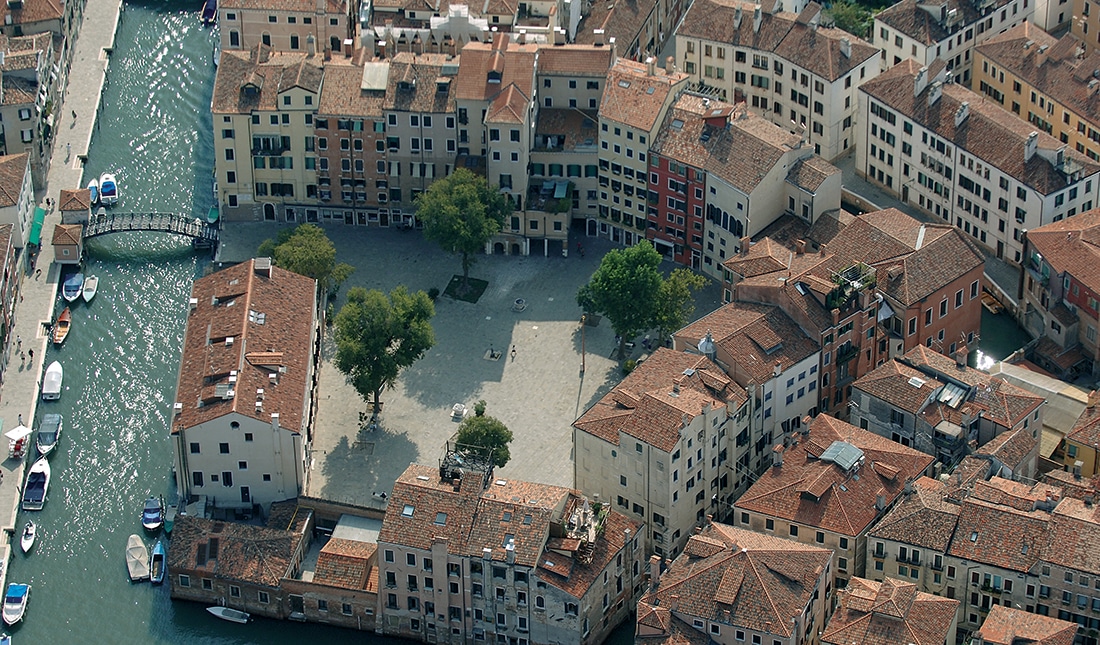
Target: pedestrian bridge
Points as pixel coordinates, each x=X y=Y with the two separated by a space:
x=196 y=228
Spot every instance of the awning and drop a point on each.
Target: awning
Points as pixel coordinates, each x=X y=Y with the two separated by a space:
x=18 y=432
x=884 y=312
x=36 y=226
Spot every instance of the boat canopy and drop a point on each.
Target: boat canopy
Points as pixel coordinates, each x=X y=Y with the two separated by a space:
x=16 y=592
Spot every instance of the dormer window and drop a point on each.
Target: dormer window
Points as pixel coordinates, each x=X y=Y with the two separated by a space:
x=494 y=76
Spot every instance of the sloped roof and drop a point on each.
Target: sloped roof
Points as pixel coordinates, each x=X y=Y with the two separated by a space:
x=232 y=551
x=252 y=80
x=13 y=168
x=78 y=200
x=1007 y=626
x=514 y=63
x=890 y=612
x=411 y=86
x=1072 y=246
x=67 y=234
x=915 y=22
x=346 y=564
x=1074 y=534
x=633 y=97
x=899 y=385
x=923 y=517
x=343 y=94
x=999 y=535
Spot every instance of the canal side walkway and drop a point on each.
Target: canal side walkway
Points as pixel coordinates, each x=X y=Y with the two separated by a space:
x=39 y=289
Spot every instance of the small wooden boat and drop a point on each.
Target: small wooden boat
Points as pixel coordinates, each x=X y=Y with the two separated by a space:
x=91 y=285
x=158 y=563
x=232 y=615
x=49 y=433
x=38 y=482
x=26 y=541
x=137 y=558
x=15 y=602
x=93 y=191
x=70 y=289
x=152 y=515
x=51 y=382
x=62 y=326
x=108 y=189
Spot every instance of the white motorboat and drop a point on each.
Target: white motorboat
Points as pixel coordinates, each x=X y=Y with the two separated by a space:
x=49 y=433
x=91 y=285
x=26 y=541
x=38 y=482
x=108 y=189
x=137 y=558
x=232 y=615
x=70 y=289
x=15 y=602
x=93 y=191
x=51 y=382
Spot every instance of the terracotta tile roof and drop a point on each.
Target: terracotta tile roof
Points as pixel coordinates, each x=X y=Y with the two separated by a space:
x=18 y=91
x=232 y=551
x=345 y=563
x=1072 y=246
x=912 y=19
x=1016 y=495
x=343 y=95
x=890 y=612
x=634 y=98
x=574 y=60
x=1000 y=536
x=646 y=406
x=809 y=173
x=257 y=312
x=609 y=544
x=67 y=234
x=932 y=362
x=761 y=581
x=13 y=168
x=923 y=518
x=1008 y=626
x=658 y=626
x=899 y=385
x=519 y=513
x=420 y=490
x=743 y=150
x=32 y=11
x=412 y=87
x=761 y=258
x=308 y=6
x=1013 y=449
x=1074 y=534
x=510 y=106
x=1072 y=485
x=756 y=337
x=252 y=80
x=79 y=200
x=819 y=50
x=990 y=132
x=962 y=479
x=1062 y=357
x=574 y=128
x=513 y=64
x=819 y=493
x=622 y=20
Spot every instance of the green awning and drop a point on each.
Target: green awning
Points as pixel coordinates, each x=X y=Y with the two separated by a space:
x=36 y=226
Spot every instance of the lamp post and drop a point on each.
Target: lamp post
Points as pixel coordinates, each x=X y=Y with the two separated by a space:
x=584 y=323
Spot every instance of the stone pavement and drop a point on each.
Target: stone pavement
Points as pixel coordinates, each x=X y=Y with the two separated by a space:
x=537 y=395
x=38 y=292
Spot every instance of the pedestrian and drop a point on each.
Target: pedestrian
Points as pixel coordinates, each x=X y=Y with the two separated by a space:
x=22 y=357
x=513 y=352
x=68 y=150
x=18 y=342
x=74 y=116
x=30 y=352
x=20 y=419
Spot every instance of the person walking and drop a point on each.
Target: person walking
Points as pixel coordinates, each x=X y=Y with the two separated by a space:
x=30 y=352
x=513 y=353
x=18 y=342
x=74 y=116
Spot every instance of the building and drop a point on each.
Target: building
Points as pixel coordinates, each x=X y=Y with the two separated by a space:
x=765 y=352
x=723 y=173
x=75 y=205
x=941 y=407
x=27 y=95
x=735 y=586
x=947 y=31
x=959 y=157
x=676 y=427
x=829 y=483
x=516 y=559
x=10 y=285
x=1046 y=80
x=17 y=201
x=1085 y=24
x=68 y=244
x=297 y=26
x=801 y=76
x=877 y=287
x=246 y=395
x=1007 y=626
x=263 y=107
x=636 y=98
x=873 y=613
x=1079 y=451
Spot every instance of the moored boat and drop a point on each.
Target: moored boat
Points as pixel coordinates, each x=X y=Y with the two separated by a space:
x=51 y=382
x=137 y=558
x=209 y=12
x=71 y=288
x=93 y=191
x=169 y=519
x=38 y=482
x=108 y=189
x=232 y=615
x=15 y=602
x=49 y=433
x=158 y=563
x=62 y=325
x=26 y=540
x=152 y=515
x=91 y=285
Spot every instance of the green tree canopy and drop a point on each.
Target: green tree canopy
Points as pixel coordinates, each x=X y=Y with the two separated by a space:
x=482 y=435
x=306 y=250
x=625 y=288
x=461 y=213
x=674 y=301
x=852 y=17
x=378 y=335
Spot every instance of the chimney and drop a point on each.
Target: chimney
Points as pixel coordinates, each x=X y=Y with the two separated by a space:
x=1030 y=145
x=654 y=572
x=670 y=65
x=510 y=552
x=1093 y=85
x=559 y=36
x=880 y=502
x=382 y=49
x=275 y=421
x=651 y=66
x=935 y=92
x=737 y=17
x=349 y=47
x=777 y=455
x=822 y=250
x=962 y=113
x=311 y=45
x=920 y=81
x=778 y=369
x=611 y=45
x=262 y=266
x=846 y=47
x=597 y=37
x=674 y=603
x=456 y=483
x=746 y=244
x=757 y=18
x=961 y=355
x=800 y=247
x=327 y=54
x=1041 y=55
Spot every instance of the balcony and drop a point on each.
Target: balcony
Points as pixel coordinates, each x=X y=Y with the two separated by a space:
x=269 y=151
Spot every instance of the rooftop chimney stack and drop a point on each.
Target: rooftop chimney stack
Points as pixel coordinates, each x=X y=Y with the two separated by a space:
x=1030 y=145
x=757 y=19
x=737 y=17
x=311 y=45
x=935 y=92
x=920 y=81
x=1041 y=55
x=746 y=244
x=654 y=572
x=846 y=47
x=597 y=37
x=670 y=65
x=651 y=66
x=961 y=355
x=800 y=247
x=962 y=113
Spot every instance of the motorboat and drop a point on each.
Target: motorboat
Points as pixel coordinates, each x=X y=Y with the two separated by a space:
x=49 y=432
x=108 y=189
x=71 y=288
x=62 y=326
x=38 y=482
x=152 y=516
x=91 y=285
x=26 y=541
x=209 y=12
x=51 y=382
x=93 y=192
x=15 y=602
x=137 y=558
x=5 y=639
x=158 y=564
x=232 y=615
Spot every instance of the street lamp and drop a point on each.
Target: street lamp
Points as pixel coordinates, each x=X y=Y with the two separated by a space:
x=584 y=319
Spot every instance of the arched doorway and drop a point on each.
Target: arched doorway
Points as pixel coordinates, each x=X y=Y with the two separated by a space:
x=591 y=228
x=498 y=248
x=515 y=249
x=334 y=44
x=269 y=212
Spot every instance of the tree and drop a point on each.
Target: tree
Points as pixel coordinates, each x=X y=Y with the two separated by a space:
x=625 y=288
x=378 y=335
x=306 y=250
x=461 y=213
x=851 y=17
x=482 y=435
x=674 y=303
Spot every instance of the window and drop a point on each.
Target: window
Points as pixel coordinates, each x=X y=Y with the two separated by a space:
x=185 y=581
x=234 y=591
